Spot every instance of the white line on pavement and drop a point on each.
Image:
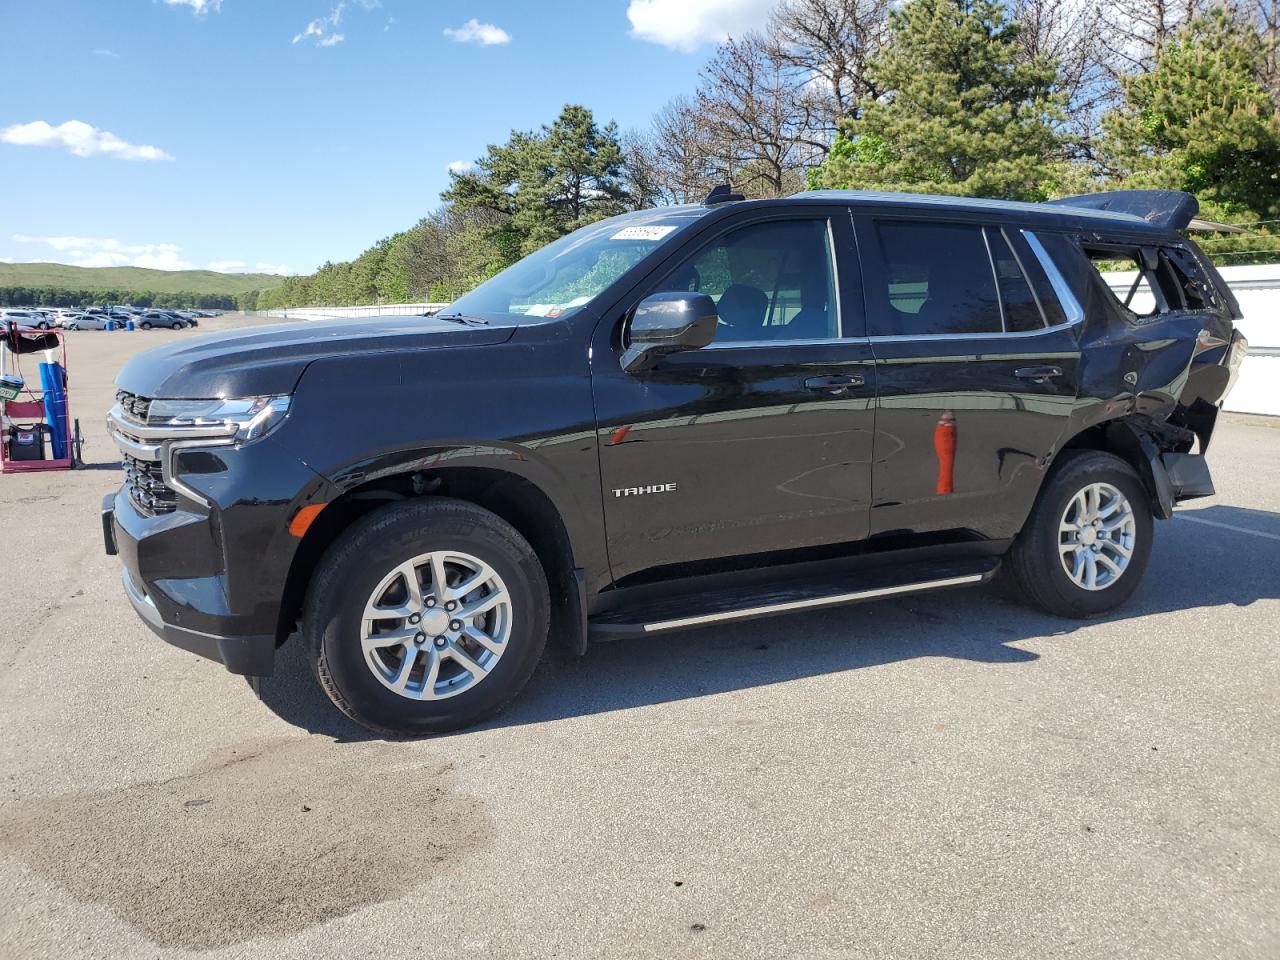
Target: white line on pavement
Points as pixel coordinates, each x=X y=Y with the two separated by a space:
x=1228 y=526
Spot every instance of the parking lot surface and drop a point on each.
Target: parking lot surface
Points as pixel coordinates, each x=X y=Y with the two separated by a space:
x=948 y=775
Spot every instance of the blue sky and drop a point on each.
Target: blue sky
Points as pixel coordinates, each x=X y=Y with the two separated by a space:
x=277 y=134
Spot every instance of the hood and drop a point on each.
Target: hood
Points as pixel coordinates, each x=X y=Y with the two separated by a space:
x=262 y=361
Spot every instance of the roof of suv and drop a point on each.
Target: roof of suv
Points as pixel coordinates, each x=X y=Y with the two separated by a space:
x=1060 y=213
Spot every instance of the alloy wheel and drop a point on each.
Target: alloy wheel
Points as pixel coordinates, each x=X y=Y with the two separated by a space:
x=436 y=625
x=1096 y=536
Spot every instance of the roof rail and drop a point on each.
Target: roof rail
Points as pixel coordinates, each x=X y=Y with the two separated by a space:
x=1170 y=209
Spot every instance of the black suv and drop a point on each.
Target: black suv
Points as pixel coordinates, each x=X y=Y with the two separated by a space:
x=683 y=416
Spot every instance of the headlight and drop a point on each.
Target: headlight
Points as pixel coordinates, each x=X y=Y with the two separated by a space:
x=253 y=416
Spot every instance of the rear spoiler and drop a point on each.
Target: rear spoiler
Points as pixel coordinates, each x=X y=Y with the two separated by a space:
x=1170 y=209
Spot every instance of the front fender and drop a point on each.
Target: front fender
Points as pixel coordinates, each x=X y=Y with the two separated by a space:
x=508 y=407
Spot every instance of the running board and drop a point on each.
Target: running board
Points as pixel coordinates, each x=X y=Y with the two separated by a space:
x=752 y=602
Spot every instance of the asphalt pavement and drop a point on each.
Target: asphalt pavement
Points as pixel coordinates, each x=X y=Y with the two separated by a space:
x=942 y=776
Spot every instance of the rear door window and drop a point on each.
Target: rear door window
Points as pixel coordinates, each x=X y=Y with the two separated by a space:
x=937 y=278
x=1020 y=302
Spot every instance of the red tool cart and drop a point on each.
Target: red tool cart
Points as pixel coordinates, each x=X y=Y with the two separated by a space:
x=36 y=428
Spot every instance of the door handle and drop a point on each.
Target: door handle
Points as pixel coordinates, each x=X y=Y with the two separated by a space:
x=834 y=385
x=1038 y=374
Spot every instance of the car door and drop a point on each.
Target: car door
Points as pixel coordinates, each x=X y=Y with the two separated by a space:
x=974 y=337
x=758 y=446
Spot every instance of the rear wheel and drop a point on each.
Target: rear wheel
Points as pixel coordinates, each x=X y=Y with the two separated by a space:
x=426 y=616
x=146 y=324
x=1087 y=543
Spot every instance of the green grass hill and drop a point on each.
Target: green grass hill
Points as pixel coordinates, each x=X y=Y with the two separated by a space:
x=60 y=275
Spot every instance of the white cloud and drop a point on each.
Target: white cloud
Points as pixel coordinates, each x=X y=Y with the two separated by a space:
x=321 y=29
x=461 y=166
x=58 y=243
x=104 y=258
x=276 y=268
x=473 y=31
x=198 y=6
x=687 y=24
x=104 y=52
x=80 y=138
x=110 y=252
x=390 y=21
x=227 y=266
x=162 y=261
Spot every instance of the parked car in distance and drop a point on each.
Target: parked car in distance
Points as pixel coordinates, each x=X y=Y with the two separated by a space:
x=158 y=318
x=84 y=321
x=28 y=319
x=679 y=417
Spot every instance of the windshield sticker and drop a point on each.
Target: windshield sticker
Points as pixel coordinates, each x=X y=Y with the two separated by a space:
x=642 y=233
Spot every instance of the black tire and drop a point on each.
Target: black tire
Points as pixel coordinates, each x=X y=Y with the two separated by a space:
x=1034 y=567
x=176 y=326
x=351 y=570
x=74 y=326
x=146 y=324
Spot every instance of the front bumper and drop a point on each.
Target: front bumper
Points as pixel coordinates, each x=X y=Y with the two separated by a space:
x=163 y=604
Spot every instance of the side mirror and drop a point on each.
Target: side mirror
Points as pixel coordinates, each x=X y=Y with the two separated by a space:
x=668 y=323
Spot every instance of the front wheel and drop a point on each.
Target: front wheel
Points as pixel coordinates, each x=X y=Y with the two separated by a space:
x=426 y=616
x=176 y=326
x=1087 y=543
x=146 y=325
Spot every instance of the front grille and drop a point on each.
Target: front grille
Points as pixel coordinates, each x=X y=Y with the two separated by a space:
x=147 y=490
x=134 y=406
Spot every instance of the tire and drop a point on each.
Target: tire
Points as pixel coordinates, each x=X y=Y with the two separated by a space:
x=146 y=325
x=351 y=574
x=74 y=326
x=1035 y=567
x=175 y=326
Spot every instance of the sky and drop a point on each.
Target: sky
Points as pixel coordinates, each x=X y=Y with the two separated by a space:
x=273 y=135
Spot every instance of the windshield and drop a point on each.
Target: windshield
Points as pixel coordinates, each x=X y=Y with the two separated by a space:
x=566 y=275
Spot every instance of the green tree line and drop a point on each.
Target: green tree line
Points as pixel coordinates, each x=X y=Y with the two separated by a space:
x=60 y=297
x=1025 y=99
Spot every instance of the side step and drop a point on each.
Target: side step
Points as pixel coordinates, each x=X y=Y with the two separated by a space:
x=749 y=602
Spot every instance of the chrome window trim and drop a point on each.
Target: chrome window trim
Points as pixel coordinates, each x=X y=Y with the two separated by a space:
x=829 y=341
x=1044 y=316
x=1070 y=305
x=1019 y=334
x=834 y=262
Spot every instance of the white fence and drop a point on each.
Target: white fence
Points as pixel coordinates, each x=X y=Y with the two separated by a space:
x=334 y=313
x=1256 y=287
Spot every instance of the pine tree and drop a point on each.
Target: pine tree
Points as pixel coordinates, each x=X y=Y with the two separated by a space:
x=1202 y=121
x=545 y=183
x=966 y=110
